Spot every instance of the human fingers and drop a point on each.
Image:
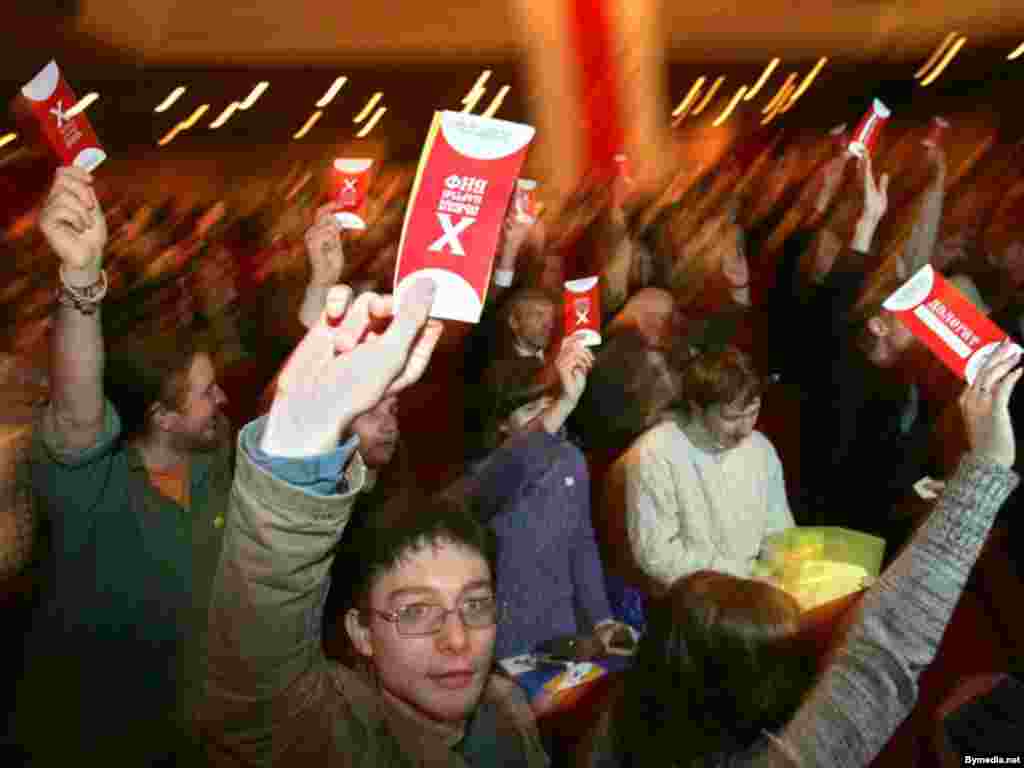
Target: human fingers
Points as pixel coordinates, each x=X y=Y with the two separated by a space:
x=325 y=213
x=317 y=347
x=357 y=320
x=1005 y=387
x=413 y=312
x=73 y=174
x=67 y=211
x=74 y=187
x=997 y=364
x=338 y=299
x=419 y=357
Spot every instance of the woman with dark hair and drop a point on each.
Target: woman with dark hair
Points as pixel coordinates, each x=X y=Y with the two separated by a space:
x=719 y=679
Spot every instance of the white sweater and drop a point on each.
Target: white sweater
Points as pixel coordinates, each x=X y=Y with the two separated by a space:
x=687 y=509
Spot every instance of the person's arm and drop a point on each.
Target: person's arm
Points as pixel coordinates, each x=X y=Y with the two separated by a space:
x=925 y=234
x=871 y=685
x=270 y=693
x=779 y=515
x=326 y=262
x=73 y=224
x=584 y=557
x=513 y=237
x=572 y=366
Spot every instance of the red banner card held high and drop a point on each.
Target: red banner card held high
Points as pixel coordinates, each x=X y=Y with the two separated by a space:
x=583 y=311
x=48 y=98
x=465 y=180
x=350 y=184
x=946 y=322
x=868 y=130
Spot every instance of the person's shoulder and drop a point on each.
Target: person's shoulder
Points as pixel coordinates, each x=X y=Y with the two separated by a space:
x=668 y=430
x=760 y=442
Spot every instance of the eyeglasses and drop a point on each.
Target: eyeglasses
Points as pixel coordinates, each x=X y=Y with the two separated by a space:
x=424 y=619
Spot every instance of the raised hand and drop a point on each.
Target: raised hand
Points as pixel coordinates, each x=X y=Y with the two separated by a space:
x=73 y=223
x=323 y=245
x=343 y=367
x=876 y=194
x=985 y=405
x=573 y=365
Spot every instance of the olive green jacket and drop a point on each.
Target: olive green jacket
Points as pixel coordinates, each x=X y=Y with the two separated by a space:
x=272 y=697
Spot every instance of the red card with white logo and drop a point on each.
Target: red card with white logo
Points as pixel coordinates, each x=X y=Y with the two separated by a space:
x=350 y=185
x=465 y=179
x=946 y=322
x=583 y=311
x=48 y=98
x=869 y=129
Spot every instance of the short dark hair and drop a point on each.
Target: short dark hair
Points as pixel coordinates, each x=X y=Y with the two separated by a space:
x=723 y=375
x=508 y=385
x=138 y=374
x=525 y=295
x=406 y=525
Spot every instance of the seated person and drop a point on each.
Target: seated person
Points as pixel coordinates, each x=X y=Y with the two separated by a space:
x=426 y=615
x=722 y=676
x=701 y=491
x=534 y=491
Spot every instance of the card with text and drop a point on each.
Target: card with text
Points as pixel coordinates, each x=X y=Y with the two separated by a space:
x=49 y=101
x=350 y=186
x=466 y=177
x=946 y=322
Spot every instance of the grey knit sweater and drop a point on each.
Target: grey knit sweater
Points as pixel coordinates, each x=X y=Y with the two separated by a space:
x=871 y=685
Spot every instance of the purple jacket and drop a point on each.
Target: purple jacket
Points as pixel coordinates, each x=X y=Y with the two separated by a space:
x=534 y=491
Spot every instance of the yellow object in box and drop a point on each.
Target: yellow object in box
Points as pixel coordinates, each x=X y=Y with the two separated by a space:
x=820 y=564
x=821 y=581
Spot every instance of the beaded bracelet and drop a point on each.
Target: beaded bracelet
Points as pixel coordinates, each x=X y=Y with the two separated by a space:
x=86 y=299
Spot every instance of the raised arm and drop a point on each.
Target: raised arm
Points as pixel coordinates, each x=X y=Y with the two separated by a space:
x=573 y=365
x=871 y=686
x=326 y=262
x=73 y=224
x=925 y=234
x=269 y=692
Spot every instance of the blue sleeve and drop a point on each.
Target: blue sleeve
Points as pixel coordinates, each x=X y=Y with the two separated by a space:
x=323 y=475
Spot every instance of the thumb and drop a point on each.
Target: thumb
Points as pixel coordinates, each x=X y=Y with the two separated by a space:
x=1006 y=388
x=413 y=312
x=883 y=185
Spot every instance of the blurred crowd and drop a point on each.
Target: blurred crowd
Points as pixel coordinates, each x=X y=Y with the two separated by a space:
x=748 y=380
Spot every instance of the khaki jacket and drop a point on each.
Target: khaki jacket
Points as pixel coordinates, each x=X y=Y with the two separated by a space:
x=272 y=697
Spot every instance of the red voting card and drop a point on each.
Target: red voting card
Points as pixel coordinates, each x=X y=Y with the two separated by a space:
x=946 y=322
x=350 y=184
x=465 y=180
x=869 y=129
x=48 y=98
x=583 y=311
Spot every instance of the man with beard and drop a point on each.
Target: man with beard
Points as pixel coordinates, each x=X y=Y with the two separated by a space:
x=133 y=474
